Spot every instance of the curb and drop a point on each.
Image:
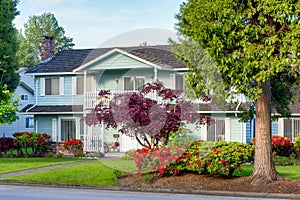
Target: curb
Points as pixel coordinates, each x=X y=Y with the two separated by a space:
x=157 y=190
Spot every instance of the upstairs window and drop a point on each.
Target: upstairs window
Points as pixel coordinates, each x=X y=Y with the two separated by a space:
x=52 y=86
x=134 y=83
x=24 y=97
x=78 y=85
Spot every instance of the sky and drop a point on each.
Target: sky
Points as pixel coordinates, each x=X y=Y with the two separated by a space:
x=97 y=23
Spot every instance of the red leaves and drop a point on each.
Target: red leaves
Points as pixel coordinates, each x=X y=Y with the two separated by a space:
x=155 y=110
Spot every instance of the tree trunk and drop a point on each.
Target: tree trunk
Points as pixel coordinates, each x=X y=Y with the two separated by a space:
x=264 y=170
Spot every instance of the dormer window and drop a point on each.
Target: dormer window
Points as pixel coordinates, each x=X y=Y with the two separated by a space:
x=24 y=97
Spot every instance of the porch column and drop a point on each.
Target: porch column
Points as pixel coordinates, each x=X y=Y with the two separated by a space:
x=84 y=134
x=84 y=91
x=84 y=81
x=155 y=74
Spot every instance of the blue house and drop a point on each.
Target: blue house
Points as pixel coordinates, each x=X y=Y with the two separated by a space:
x=25 y=93
x=67 y=85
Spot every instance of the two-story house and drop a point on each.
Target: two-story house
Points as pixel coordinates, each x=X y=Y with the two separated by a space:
x=25 y=93
x=67 y=84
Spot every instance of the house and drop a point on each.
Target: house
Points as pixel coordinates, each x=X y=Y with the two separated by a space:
x=67 y=85
x=25 y=93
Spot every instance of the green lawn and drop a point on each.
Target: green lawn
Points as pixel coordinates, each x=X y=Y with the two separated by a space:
x=104 y=172
x=292 y=172
x=18 y=164
x=121 y=165
x=95 y=173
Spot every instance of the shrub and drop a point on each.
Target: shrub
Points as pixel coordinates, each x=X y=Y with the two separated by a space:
x=37 y=142
x=225 y=157
x=281 y=146
x=221 y=158
x=284 y=160
x=128 y=155
x=6 y=144
x=157 y=159
x=297 y=143
x=75 y=146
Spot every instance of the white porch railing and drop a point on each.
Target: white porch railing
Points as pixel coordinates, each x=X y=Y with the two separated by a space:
x=92 y=143
x=91 y=98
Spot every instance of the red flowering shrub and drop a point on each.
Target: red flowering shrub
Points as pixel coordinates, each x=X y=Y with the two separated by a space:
x=37 y=142
x=281 y=146
x=75 y=146
x=219 y=158
x=158 y=159
x=225 y=157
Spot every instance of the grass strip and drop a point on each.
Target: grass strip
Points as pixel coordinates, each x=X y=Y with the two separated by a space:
x=292 y=172
x=119 y=164
x=94 y=173
x=18 y=164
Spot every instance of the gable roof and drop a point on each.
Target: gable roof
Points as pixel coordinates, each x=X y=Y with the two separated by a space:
x=70 y=60
x=27 y=87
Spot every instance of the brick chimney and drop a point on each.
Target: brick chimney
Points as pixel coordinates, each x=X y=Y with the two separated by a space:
x=47 y=48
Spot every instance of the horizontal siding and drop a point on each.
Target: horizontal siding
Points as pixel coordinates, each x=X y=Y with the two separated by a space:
x=117 y=61
x=235 y=130
x=44 y=124
x=274 y=127
x=66 y=99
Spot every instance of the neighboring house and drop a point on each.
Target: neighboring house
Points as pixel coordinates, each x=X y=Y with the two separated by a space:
x=67 y=85
x=25 y=93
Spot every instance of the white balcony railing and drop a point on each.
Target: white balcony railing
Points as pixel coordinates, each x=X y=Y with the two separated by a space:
x=91 y=98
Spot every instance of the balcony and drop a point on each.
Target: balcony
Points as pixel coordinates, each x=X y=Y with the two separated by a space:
x=91 y=99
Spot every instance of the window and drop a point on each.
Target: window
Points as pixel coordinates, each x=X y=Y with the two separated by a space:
x=52 y=86
x=78 y=85
x=177 y=81
x=68 y=129
x=29 y=122
x=24 y=97
x=216 y=131
x=134 y=82
x=291 y=128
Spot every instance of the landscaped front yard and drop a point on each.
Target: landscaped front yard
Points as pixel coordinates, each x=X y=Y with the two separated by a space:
x=96 y=173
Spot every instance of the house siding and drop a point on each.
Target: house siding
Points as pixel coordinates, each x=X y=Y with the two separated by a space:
x=19 y=125
x=44 y=124
x=117 y=61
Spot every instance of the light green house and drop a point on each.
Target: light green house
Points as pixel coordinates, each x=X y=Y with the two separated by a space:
x=67 y=84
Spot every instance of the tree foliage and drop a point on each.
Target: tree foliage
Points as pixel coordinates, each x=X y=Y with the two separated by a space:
x=36 y=27
x=255 y=46
x=8 y=45
x=149 y=115
x=8 y=107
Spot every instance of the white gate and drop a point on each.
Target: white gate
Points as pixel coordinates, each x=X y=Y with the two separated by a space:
x=92 y=143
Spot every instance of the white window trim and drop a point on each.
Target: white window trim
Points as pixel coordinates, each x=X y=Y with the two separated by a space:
x=134 y=78
x=61 y=86
x=74 y=85
x=42 y=86
x=54 y=129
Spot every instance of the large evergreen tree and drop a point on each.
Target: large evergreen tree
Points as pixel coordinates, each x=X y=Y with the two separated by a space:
x=255 y=46
x=8 y=45
x=36 y=27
